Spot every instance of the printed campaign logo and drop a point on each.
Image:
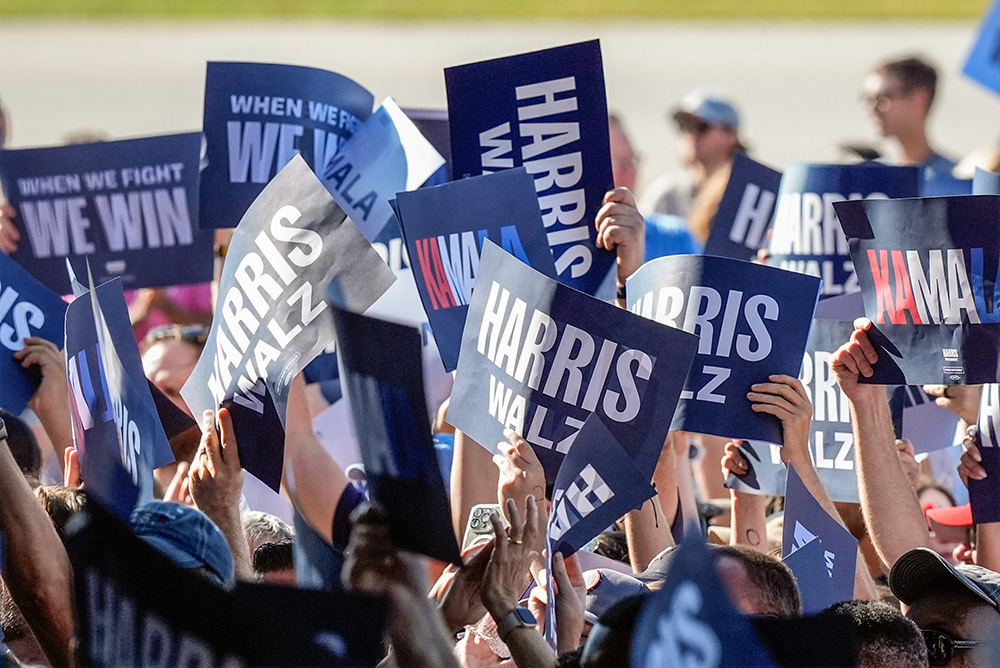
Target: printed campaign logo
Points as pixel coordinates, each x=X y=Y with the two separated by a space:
x=741 y=225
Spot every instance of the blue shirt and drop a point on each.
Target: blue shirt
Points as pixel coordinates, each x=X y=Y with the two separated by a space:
x=936 y=178
x=668 y=235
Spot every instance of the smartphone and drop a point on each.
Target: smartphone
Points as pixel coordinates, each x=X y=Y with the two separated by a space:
x=479 y=530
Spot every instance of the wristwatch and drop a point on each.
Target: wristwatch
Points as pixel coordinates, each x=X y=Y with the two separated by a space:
x=515 y=619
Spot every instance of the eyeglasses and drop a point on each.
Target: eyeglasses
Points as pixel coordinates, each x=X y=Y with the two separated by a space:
x=694 y=127
x=881 y=99
x=196 y=335
x=940 y=647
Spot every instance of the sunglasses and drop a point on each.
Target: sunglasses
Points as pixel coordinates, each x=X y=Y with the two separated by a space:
x=941 y=648
x=194 y=334
x=695 y=127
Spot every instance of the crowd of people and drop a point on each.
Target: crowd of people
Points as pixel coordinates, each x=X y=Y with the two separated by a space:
x=927 y=583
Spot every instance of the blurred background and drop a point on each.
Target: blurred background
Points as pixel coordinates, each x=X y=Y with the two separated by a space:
x=794 y=67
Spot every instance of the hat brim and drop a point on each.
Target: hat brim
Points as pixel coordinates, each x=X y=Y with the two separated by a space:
x=680 y=117
x=915 y=573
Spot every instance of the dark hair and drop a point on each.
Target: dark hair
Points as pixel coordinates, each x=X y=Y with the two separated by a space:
x=887 y=638
x=60 y=503
x=913 y=73
x=616 y=645
x=611 y=544
x=774 y=585
x=272 y=557
x=23 y=445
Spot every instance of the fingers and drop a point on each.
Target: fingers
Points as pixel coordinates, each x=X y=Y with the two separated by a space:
x=71 y=467
x=174 y=489
x=733 y=460
x=517 y=525
x=860 y=336
x=229 y=452
x=209 y=450
x=619 y=195
x=574 y=571
x=563 y=585
x=904 y=445
x=499 y=544
x=519 y=449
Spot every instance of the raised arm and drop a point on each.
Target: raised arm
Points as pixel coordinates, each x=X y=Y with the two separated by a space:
x=621 y=228
x=748 y=519
x=888 y=501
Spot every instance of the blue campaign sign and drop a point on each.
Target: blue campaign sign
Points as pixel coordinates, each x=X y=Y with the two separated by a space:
x=691 y=620
x=743 y=220
x=807 y=236
x=928 y=272
x=984 y=495
x=985 y=183
x=383 y=378
x=752 y=321
x=925 y=424
x=445 y=228
x=27 y=308
x=546 y=111
x=258 y=117
x=116 y=426
x=539 y=358
x=806 y=521
x=130 y=207
x=597 y=483
x=271 y=318
x=385 y=156
x=983 y=63
x=848 y=306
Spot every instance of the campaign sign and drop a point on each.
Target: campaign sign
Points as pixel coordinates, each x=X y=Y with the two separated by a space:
x=135 y=607
x=116 y=427
x=433 y=125
x=926 y=425
x=984 y=495
x=743 y=219
x=445 y=227
x=985 y=183
x=27 y=308
x=546 y=111
x=807 y=236
x=752 y=321
x=258 y=117
x=928 y=272
x=807 y=522
x=690 y=621
x=540 y=358
x=597 y=483
x=383 y=378
x=130 y=206
x=271 y=317
x=983 y=63
x=386 y=155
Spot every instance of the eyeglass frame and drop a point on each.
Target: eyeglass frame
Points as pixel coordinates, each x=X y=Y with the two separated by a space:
x=950 y=645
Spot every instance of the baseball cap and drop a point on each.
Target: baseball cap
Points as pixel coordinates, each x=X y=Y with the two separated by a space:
x=707 y=106
x=951 y=524
x=921 y=570
x=606 y=587
x=187 y=536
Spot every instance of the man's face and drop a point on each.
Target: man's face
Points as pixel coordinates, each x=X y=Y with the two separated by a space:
x=168 y=364
x=623 y=159
x=980 y=622
x=896 y=110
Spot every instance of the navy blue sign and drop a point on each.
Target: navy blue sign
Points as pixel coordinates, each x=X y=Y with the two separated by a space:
x=743 y=220
x=807 y=522
x=984 y=495
x=547 y=111
x=540 y=358
x=445 y=227
x=258 y=117
x=385 y=156
x=597 y=483
x=130 y=206
x=116 y=426
x=807 y=236
x=384 y=380
x=752 y=321
x=271 y=317
x=928 y=272
x=27 y=308
x=692 y=622
x=926 y=425
x=135 y=606
x=983 y=63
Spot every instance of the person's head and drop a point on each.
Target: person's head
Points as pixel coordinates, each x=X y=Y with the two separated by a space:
x=188 y=537
x=709 y=128
x=23 y=446
x=956 y=608
x=169 y=355
x=887 y=639
x=60 y=503
x=757 y=583
x=274 y=563
x=609 y=644
x=899 y=94
x=261 y=527
x=624 y=161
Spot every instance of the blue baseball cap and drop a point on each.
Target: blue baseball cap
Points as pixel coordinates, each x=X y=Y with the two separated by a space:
x=187 y=536
x=709 y=107
x=606 y=587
